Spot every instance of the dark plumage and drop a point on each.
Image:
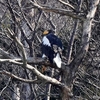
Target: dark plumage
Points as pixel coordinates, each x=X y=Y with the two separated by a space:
x=52 y=47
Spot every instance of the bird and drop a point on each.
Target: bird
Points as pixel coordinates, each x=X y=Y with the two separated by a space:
x=52 y=48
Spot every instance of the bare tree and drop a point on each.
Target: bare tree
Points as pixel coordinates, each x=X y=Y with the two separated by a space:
x=76 y=22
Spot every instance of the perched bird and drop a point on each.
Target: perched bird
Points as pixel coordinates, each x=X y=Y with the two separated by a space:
x=52 y=47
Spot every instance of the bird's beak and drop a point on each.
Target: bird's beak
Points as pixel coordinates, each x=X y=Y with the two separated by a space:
x=45 y=32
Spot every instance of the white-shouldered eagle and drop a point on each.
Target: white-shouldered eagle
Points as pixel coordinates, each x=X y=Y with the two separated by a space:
x=52 y=47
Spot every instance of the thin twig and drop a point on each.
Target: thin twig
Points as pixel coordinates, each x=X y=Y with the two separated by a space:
x=65 y=3
x=5 y=86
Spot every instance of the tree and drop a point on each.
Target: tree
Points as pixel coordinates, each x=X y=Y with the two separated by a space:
x=21 y=27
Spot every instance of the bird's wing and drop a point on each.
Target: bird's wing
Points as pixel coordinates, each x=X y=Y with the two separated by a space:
x=55 y=42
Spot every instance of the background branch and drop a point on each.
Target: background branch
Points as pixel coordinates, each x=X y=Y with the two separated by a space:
x=18 y=78
x=56 y=10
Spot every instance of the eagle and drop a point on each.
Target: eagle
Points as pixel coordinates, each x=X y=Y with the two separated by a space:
x=52 y=47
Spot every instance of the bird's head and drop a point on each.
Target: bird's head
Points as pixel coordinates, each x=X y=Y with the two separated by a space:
x=47 y=32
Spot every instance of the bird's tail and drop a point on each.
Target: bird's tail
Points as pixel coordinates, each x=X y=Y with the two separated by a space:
x=57 y=60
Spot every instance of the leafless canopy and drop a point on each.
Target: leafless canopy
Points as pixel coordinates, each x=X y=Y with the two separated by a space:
x=76 y=22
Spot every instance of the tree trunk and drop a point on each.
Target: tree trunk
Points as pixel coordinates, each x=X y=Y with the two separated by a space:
x=87 y=24
x=64 y=94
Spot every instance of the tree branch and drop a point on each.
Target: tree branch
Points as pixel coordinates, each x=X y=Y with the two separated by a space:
x=67 y=4
x=56 y=10
x=11 y=34
x=40 y=75
x=27 y=22
x=18 y=78
x=5 y=55
x=5 y=87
